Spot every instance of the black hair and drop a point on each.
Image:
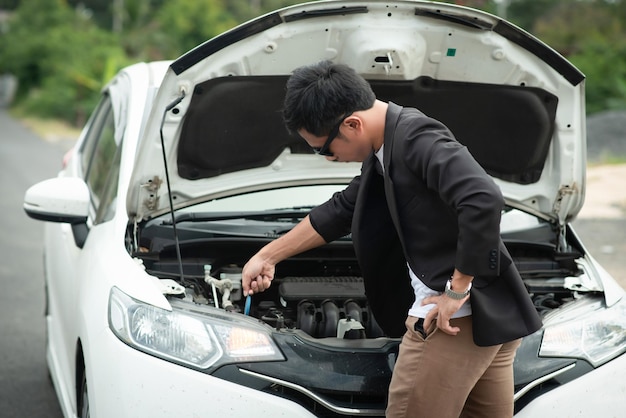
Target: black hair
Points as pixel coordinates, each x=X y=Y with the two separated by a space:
x=319 y=95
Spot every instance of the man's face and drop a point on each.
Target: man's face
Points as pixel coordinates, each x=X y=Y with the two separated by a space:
x=347 y=146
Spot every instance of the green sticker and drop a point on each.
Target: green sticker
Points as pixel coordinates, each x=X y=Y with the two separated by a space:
x=451 y=52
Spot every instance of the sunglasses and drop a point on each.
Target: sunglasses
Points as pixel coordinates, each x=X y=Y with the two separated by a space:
x=325 y=149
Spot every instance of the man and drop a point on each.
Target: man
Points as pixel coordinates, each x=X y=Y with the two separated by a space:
x=421 y=212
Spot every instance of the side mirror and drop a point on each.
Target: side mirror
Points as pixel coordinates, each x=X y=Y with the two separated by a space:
x=60 y=199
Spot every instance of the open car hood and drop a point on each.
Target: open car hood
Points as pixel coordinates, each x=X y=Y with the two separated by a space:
x=513 y=101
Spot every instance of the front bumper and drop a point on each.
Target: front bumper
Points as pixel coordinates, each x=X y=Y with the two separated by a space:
x=124 y=382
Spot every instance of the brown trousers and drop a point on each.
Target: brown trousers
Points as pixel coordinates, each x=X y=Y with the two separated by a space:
x=448 y=376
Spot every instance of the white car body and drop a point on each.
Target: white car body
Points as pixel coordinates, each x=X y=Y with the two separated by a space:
x=91 y=258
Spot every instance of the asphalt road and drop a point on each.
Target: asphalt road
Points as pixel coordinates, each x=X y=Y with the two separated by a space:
x=25 y=388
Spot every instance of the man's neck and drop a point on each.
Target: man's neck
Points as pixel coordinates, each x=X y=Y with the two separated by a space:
x=379 y=114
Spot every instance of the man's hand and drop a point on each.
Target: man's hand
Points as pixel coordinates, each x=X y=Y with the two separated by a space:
x=257 y=275
x=445 y=306
x=258 y=272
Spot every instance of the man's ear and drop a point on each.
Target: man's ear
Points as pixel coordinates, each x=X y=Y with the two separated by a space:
x=354 y=122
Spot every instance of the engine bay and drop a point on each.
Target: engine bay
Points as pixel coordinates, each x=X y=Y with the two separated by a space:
x=320 y=292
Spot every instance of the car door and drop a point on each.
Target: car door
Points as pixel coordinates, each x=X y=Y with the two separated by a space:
x=96 y=161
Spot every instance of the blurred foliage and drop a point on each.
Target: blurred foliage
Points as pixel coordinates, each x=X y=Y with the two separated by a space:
x=60 y=57
x=190 y=22
x=63 y=51
x=594 y=39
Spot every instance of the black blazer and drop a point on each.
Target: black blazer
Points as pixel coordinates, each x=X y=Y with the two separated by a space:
x=448 y=212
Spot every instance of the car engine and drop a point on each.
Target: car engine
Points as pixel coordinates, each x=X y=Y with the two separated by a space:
x=321 y=292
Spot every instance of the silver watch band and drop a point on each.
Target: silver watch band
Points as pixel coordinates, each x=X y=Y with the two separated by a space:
x=456 y=295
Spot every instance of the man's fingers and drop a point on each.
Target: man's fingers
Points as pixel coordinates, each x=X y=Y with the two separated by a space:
x=445 y=327
x=259 y=284
x=429 y=300
x=247 y=288
x=432 y=314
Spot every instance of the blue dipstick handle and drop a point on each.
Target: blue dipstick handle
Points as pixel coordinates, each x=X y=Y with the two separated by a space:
x=246 y=309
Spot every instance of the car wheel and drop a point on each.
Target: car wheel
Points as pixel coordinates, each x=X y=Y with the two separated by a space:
x=83 y=402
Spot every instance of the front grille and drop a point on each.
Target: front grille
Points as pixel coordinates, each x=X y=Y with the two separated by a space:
x=325 y=405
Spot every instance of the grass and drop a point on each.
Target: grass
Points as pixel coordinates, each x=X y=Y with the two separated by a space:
x=607 y=159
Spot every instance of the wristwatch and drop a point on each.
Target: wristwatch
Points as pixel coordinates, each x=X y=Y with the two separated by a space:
x=456 y=295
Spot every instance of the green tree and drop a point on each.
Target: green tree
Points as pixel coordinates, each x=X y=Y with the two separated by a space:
x=592 y=35
x=25 y=48
x=568 y=27
x=64 y=50
x=140 y=33
x=244 y=10
x=8 y=4
x=605 y=68
x=191 y=22
x=524 y=13
x=60 y=57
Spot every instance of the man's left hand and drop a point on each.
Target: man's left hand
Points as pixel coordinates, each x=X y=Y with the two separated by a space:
x=445 y=306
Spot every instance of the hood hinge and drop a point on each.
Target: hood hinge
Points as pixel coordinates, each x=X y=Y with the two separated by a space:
x=562 y=247
x=150 y=193
x=560 y=202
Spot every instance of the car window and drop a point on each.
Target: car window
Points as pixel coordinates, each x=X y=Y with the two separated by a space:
x=106 y=206
x=94 y=127
x=100 y=161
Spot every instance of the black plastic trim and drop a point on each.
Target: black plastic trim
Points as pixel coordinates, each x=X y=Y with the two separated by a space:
x=326 y=12
x=56 y=217
x=460 y=20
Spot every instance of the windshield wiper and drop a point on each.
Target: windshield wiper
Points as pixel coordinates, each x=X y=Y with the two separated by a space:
x=291 y=214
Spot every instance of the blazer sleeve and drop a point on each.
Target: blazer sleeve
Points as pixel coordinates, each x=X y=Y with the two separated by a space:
x=446 y=167
x=333 y=219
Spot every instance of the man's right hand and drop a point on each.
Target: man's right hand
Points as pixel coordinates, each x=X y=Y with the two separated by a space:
x=257 y=275
x=258 y=272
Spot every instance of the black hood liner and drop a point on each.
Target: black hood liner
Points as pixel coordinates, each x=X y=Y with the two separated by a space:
x=235 y=123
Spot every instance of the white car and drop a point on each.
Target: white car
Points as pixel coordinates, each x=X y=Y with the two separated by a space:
x=185 y=170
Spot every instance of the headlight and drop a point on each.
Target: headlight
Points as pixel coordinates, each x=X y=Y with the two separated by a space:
x=597 y=337
x=202 y=340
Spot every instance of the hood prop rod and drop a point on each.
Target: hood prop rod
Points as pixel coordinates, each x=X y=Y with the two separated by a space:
x=169 y=190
